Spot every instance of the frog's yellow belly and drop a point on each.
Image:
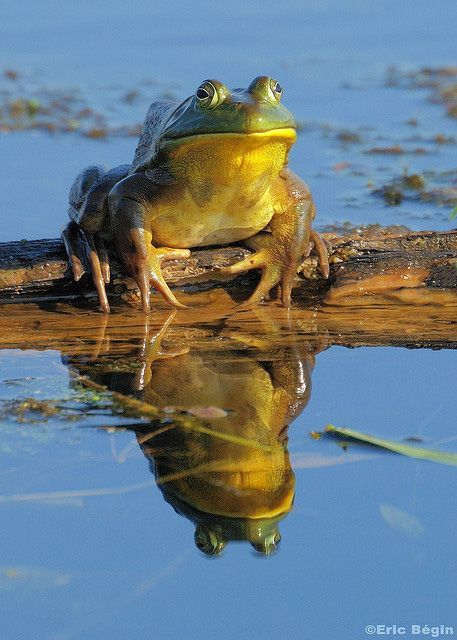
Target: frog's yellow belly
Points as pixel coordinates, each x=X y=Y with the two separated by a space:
x=223 y=219
x=224 y=191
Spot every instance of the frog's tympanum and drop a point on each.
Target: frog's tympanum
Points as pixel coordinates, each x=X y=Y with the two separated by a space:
x=209 y=171
x=233 y=479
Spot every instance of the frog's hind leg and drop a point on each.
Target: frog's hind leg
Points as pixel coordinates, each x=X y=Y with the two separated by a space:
x=322 y=248
x=88 y=211
x=87 y=251
x=277 y=253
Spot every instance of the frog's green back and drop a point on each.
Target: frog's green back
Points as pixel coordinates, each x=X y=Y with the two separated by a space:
x=156 y=118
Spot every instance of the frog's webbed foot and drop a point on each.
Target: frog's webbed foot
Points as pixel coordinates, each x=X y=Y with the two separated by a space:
x=87 y=251
x=277 y=266
x=145 y=264
x=279 y=263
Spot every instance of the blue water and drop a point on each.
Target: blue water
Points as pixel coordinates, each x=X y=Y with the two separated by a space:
x=125 y=565
x=316 y=50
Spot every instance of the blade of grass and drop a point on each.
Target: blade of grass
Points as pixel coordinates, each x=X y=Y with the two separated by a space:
x=419 y=453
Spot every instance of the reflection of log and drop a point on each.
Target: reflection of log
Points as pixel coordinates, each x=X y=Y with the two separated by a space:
x=364 y=265
x=220 y=326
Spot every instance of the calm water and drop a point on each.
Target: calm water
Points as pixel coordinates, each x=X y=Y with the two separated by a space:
x=89 y=547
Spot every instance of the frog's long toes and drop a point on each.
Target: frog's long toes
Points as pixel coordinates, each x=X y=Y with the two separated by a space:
x=77 y=268
x=287 y=283
x=162 y=287
x=70 y=240
x=102 y=297
x=254 y=261
x=142 y=280
x=97 y=276
x=103 y=258
x=261 y=291
x=322 y=248
x=106 y=272
x=104 y=306
x=286 y=294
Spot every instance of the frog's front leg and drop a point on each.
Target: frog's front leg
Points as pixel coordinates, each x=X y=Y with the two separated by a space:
x=279 y=251
x=131 y=205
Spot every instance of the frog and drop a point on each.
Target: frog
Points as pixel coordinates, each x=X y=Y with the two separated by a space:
x=209 y=171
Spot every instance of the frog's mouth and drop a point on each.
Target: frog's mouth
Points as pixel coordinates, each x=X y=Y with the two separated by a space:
x=285 y=134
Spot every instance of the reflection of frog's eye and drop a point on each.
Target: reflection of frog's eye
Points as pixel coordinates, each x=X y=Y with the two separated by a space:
x=208 y=541
x=268 y=545
x=276 y=89
x=207 y=95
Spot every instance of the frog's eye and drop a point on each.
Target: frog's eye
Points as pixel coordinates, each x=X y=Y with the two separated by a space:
x=276 y=89
x=207 y=95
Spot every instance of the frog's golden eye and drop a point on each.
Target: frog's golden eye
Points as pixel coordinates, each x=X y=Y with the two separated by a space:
x=207 y=95
x=276 y=89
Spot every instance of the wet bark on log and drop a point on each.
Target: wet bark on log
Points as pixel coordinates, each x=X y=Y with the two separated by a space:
x=363 y=264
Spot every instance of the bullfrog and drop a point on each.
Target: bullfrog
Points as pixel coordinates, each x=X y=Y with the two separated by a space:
x=211 y=170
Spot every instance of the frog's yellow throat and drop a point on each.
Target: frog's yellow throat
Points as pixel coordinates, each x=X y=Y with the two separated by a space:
x=228 y=158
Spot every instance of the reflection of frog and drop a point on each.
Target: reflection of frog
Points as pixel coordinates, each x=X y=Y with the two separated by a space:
x=232 y=489
x=209 y=171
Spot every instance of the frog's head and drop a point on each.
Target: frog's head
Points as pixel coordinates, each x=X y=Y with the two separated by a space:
x=214 y=109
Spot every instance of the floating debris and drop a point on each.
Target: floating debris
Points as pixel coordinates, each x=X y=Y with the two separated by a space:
x=26 y=103
x=430 y=186
x=396 y=150
x=29 y=410
x=401 y=520
x=441 y=81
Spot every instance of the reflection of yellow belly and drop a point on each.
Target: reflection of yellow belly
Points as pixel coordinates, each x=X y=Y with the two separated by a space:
x=219 y=476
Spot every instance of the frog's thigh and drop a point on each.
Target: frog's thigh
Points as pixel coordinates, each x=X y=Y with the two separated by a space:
x=279 y=252
x=130 y=204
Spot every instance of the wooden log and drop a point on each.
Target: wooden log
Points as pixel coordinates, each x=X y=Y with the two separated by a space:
x=364 y=264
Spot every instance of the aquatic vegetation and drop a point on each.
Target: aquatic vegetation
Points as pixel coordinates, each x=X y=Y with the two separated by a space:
x=438 y=187
x=27 y=102
x=440 y=81
x=350 y=436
